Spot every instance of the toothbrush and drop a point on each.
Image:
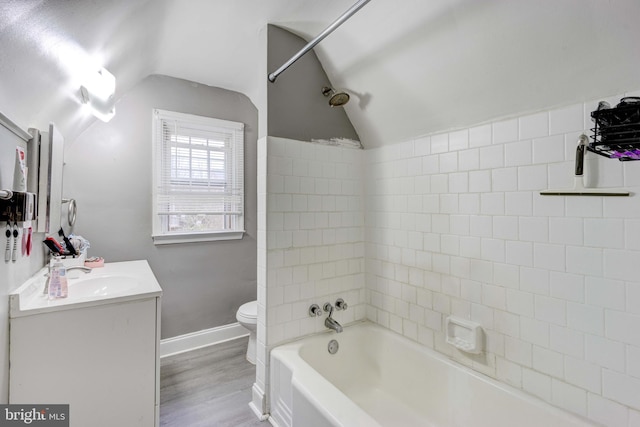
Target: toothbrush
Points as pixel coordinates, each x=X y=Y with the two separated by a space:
x=7 y=250
x=24 y=241
x=29 y=241
x=14 y=255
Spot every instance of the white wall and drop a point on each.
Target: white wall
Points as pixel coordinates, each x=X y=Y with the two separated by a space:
x=12 y=275
x=456 y=226
x=310 y=239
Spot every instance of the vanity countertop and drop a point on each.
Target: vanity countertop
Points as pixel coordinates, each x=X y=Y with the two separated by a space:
x=114 y=283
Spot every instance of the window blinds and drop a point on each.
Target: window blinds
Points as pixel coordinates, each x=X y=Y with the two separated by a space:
x=199 y=165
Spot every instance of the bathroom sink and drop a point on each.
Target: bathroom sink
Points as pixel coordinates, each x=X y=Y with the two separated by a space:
x=101 y=285
x=115 y=282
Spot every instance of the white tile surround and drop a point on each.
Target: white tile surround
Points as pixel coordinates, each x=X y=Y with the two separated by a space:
x=310 y=239
x=315 y=235
x=454 y=224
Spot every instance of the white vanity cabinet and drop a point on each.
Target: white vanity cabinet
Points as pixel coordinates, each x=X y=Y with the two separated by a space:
x=100 y=358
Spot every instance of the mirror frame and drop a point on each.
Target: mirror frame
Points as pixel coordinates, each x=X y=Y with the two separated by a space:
x=51 y=163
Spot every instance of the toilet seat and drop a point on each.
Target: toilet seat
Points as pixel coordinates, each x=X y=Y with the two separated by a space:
x=248 y=312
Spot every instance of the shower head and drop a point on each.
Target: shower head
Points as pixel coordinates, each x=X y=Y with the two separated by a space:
x=336 y=99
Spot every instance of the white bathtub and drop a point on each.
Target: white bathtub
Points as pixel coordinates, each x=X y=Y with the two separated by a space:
x=379 y=378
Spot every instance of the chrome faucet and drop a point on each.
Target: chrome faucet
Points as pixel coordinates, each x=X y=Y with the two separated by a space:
x=75 y=267
x=81 y=268
x=330 y=322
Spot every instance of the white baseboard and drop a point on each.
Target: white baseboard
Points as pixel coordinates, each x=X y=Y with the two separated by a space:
x=199 y=339
x=258 y=403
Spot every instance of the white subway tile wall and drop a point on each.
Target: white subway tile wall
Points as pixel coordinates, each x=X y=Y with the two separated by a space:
x=453 y=224
x=310 y=241
x=314 y=235
x=552 y=280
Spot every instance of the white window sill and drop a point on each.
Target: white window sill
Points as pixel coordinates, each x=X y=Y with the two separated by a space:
x=169 y=239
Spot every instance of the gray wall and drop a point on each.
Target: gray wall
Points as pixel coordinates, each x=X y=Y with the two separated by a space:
x=297 y=108
x=108 y=172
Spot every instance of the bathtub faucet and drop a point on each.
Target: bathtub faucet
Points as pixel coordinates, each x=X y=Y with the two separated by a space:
x=330 y=322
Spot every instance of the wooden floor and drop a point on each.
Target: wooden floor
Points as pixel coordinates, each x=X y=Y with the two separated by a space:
x=209 y=387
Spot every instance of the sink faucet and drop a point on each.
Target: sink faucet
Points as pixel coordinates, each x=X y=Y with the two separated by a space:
x=75 y=267
x=80 y=267
x=330 y=322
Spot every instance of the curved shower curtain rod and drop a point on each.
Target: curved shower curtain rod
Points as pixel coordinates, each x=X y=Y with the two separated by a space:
x=356 y=7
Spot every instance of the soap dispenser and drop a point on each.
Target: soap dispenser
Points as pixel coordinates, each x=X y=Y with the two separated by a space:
x=58 y=286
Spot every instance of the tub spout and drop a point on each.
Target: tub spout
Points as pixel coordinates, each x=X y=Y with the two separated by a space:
x=330 y=322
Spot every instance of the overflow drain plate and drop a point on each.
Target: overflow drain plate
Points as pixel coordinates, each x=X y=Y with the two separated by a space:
x=333 y=347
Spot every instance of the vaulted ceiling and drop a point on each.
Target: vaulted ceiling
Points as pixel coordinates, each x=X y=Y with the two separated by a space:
x=412 y=66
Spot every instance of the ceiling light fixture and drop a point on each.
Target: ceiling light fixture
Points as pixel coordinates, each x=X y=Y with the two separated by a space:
x=98 y=93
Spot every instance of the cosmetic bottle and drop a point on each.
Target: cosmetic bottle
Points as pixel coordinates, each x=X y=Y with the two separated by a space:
x=58 y=286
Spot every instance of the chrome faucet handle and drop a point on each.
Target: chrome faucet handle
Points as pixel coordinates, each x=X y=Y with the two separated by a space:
x=328 y=308
x=340 y=304
x=314 y=310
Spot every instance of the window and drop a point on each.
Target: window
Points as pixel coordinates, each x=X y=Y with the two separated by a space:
x=198 y=178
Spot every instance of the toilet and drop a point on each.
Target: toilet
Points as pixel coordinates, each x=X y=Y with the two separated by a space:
x=247 y=316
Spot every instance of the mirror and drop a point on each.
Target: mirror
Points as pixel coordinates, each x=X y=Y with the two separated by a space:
x=50 y=179
x=68 y=215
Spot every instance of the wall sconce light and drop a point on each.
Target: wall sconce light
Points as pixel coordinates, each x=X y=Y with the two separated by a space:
x=98 y=94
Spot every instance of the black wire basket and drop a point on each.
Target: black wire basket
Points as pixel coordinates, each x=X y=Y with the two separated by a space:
x=616 y=134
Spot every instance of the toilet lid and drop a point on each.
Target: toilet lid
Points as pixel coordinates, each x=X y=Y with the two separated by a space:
x=248 y=312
